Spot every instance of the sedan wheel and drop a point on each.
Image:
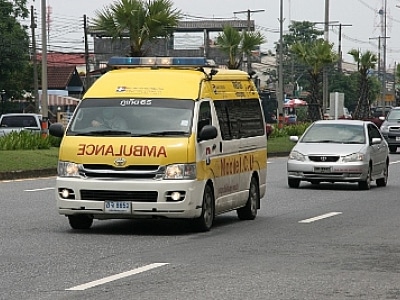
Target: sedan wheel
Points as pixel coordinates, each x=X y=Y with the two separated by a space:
x=366 y=184
x=383 y=181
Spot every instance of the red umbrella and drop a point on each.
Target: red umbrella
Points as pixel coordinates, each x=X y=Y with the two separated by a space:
x=295 y=103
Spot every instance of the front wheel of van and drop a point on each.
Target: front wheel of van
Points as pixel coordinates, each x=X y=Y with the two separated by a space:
x=206 y=220
x=80 y=221
x=249 y=212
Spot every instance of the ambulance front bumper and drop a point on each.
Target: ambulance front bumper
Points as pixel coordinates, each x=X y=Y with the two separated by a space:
x=126 y=199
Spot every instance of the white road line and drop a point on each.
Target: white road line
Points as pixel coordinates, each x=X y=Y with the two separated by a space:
x=38 y=190
x=104 y=280
x=324 y=216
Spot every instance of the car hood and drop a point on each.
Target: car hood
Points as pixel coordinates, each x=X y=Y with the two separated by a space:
x=391 y=123
x=329 y=148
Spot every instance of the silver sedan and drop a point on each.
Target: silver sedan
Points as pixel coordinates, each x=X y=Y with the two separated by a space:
x=339 y=151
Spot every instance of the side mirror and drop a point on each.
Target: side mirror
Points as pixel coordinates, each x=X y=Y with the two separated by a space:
x=376 y=141
x=208 y=132
x=57 y=130
x=294 y=138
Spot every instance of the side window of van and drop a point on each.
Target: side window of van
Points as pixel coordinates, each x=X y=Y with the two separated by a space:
x=204 y=116
x=239 y=118
x=251 y=120
x=228 y=112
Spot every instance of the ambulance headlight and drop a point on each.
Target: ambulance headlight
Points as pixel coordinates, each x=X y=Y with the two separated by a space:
x=180 y=171
x=68 y=169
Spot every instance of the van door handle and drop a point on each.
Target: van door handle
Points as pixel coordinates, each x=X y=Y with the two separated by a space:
x=220 y=147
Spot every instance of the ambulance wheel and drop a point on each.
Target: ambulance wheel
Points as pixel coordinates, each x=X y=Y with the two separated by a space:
x=206 y=220
x=249 y=212
x=80 y=221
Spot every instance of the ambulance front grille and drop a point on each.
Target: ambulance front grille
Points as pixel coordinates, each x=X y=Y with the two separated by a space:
x=129 y=172
x=103 y=195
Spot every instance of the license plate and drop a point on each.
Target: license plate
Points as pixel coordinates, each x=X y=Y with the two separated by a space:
x=117 y=207
x=322 y=169
x=397 y=138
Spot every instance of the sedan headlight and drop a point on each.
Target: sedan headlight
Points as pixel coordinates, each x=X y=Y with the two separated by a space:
x=180 y=171
x=353 y=157
x=296 y=155
x=384 y=128
x=68 y=169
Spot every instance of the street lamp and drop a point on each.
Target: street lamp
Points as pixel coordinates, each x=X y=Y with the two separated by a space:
x=3 y=93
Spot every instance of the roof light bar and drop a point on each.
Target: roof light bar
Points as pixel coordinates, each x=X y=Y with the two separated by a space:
x=160 y=61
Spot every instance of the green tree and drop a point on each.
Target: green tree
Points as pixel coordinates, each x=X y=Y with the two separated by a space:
x=315 y=56
x=365 y=61
x=236 y=44
x=303 y=32
x=14 y=48
x=142 y=21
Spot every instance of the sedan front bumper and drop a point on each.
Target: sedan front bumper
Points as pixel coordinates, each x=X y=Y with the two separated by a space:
x=311 y=171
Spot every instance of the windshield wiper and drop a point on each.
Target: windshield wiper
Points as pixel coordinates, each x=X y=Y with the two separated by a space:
x=166 y=132
x=320 y=141
x=103 y=132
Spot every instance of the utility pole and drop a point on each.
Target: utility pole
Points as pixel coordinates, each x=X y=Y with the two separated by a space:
x=325 y=83
x=87 y=76
x=45 y=110
x=340 y=46
x=281 y=94
x=34 y=60
x=384 y=60
x=248 y=30
x=380 y=77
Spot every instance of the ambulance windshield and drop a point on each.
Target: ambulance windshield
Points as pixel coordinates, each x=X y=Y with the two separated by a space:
x=132 y=117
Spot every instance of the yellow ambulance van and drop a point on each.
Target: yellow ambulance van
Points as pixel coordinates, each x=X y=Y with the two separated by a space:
x=163 y=138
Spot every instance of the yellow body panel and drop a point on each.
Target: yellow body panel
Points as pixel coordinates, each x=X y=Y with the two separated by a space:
x=171 y=83
x=143 y=151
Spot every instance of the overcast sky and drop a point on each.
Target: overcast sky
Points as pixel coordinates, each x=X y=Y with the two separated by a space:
x=362 y=25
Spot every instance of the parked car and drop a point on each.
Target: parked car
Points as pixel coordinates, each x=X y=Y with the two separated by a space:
x=390 y=129
x=379 y=112
x=339 y=151
x=17 y=122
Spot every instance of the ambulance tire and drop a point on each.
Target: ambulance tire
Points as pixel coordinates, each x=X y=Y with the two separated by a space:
x=206 y=220
x=249 y=212
x=80 y=221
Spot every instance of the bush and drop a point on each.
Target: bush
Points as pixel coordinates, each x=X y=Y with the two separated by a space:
x=288 y=130
x=25 y=140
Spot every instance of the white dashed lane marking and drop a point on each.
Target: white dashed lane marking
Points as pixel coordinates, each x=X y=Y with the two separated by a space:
x=324 y=216
x=104 y=280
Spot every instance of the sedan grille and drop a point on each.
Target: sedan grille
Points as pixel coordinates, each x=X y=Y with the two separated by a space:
x=323 y=158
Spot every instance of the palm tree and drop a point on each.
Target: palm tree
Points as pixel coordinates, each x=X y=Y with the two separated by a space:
x=315 y=55
x=365 y=62
x=141 y=20
x=236 y=44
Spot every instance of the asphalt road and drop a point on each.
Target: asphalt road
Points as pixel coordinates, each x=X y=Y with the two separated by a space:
x=325 y=242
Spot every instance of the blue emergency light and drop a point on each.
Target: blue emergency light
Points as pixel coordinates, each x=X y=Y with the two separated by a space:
x=117 y=61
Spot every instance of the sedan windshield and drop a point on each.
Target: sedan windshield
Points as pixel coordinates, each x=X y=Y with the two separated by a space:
x=335 y=133
x=394 y=115
x=131 y=117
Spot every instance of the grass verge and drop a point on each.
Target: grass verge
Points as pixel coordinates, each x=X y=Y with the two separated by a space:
x=24 y=160
x=280 y=144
